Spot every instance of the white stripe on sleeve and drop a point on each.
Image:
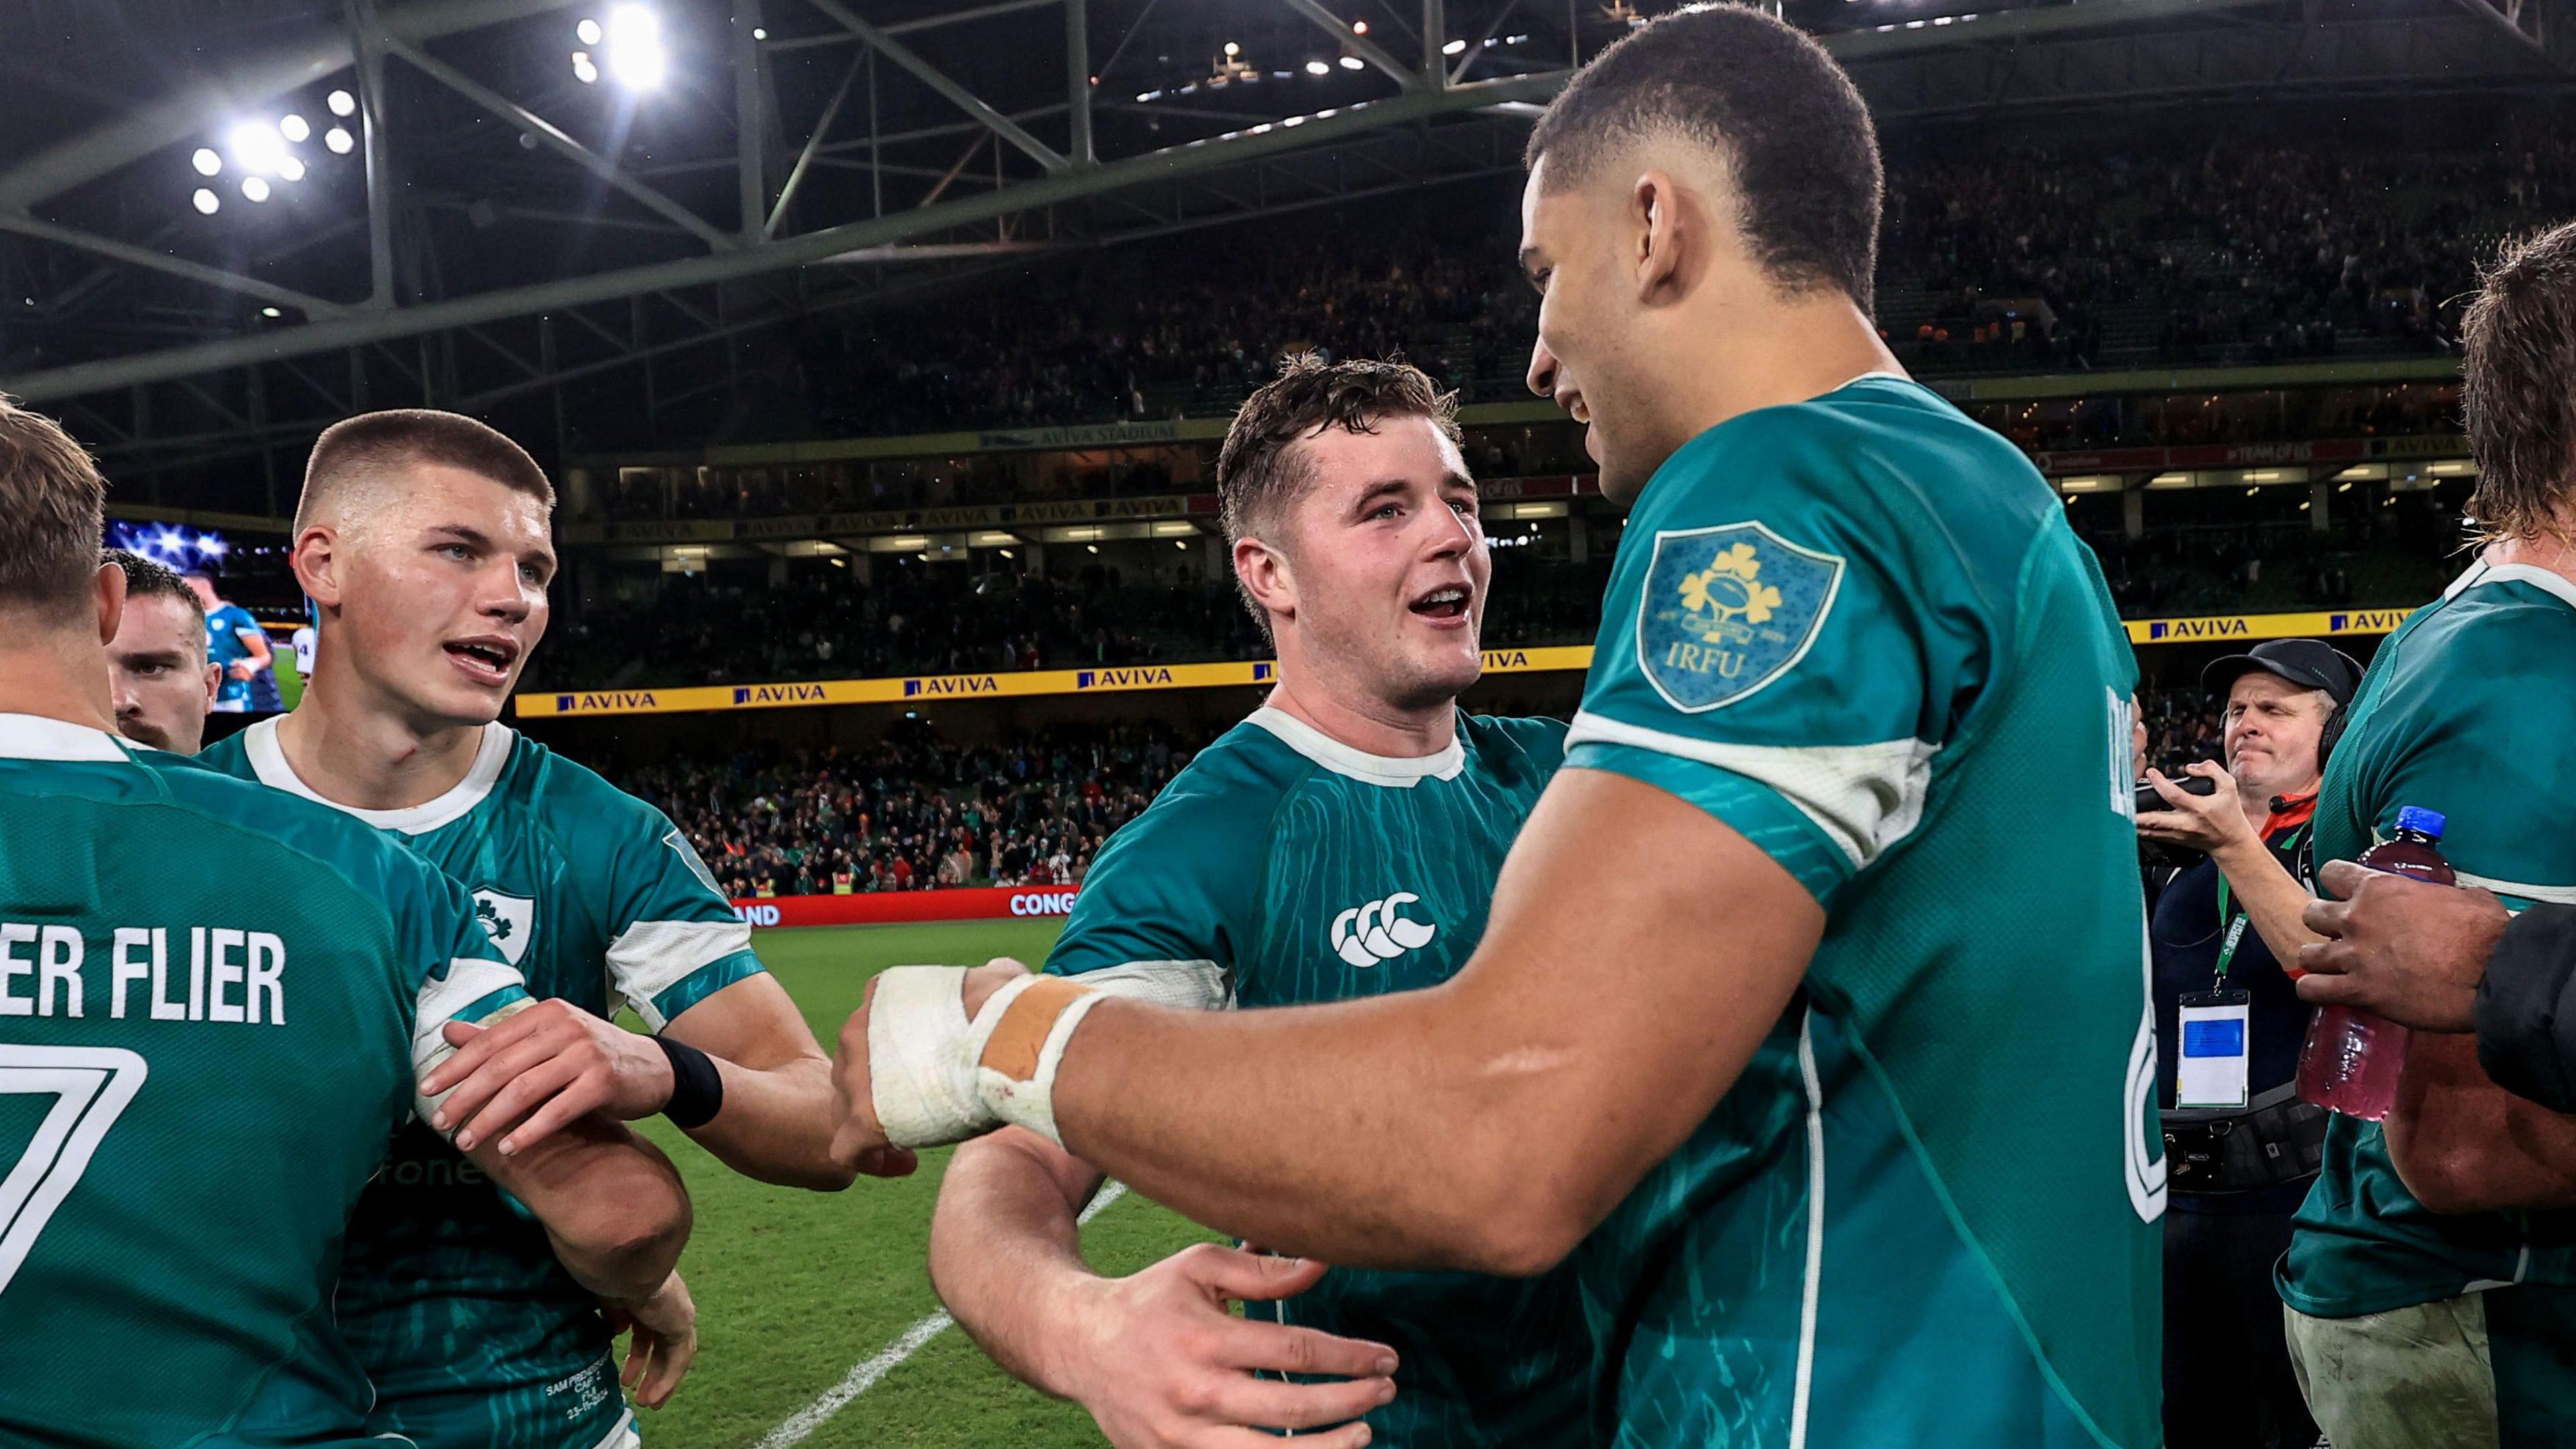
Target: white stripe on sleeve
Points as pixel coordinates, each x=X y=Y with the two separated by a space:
x=650 y=957
x=1864 y=797
x=1188 y=985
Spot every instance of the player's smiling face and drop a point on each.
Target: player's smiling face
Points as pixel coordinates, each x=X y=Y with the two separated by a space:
x=1390 y=562
x=443 y=592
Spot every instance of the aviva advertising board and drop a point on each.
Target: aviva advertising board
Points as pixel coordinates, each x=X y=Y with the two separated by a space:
x=936 y=688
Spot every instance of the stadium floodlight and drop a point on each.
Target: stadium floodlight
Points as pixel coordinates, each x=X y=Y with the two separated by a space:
x=208 y=203
x=1352 y=62
x=257 y=147
x=1317 y=67
x=342 y=103
x=1232 y=50
x=291 y=169
x=1455 y=47
x=760 y=33
x=254 y=188
x=582 y=70
x=206 y=161
x=271 y=313
x=294 y=128
x=212 y=545
x=635 y=54
x=1359 y=27
x=340 y=141
x=588 y=32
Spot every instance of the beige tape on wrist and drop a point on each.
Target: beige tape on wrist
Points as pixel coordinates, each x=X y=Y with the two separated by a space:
x=1020 y=1038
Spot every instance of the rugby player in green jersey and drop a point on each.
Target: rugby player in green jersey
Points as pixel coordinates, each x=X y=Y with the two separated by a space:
x=1340 y=843
x=1811 y=1022
x=196 y=1081
x=2431 y=1279
x=422 y=539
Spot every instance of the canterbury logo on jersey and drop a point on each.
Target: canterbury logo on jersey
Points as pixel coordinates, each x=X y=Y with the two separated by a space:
x=1366 y=935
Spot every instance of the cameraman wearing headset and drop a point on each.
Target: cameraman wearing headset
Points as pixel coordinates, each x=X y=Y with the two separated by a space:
x=2240 y=1146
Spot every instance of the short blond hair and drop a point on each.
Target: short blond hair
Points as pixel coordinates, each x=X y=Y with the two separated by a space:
x=55 y=502
x=359 y=451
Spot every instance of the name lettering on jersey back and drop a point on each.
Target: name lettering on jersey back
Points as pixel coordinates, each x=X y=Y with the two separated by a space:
x=227 y=976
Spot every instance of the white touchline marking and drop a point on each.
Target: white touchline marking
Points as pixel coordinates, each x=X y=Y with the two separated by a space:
x=801 y=1425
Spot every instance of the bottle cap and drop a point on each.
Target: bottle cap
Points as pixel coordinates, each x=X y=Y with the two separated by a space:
x=2415 y=817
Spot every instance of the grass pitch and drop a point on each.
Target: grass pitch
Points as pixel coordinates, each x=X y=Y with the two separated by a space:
x=796 y=1288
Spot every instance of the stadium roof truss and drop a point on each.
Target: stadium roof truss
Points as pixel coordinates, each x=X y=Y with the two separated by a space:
x=492 y=228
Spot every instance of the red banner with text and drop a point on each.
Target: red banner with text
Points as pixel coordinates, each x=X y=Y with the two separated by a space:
x=994 y=903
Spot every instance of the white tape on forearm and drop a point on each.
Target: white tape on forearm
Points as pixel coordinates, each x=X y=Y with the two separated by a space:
x=1017 y=1084
x=921 y=1058
x=430 y=1051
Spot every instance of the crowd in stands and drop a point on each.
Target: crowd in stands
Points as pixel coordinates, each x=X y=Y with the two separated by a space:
x=2013 y=260
x=824 y=623
x=913 y=812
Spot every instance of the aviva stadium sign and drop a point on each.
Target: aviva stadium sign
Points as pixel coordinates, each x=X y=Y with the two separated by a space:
x=939 y=688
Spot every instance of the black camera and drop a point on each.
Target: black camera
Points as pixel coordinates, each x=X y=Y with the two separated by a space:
x=2149 y=800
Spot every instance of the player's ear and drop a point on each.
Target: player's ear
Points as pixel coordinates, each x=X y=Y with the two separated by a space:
x=315 y=558
x=1265 y=575
x=1664 y=236
x=214 y=683
x=109 y=584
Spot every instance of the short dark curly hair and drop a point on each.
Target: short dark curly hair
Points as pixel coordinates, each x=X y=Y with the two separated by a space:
x=1793 y=130
x=1260 y=467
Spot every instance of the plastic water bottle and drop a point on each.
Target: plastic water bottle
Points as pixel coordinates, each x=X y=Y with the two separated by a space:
x=2352 y=1059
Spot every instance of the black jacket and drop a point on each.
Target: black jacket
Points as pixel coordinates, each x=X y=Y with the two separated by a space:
x=2527 y=1008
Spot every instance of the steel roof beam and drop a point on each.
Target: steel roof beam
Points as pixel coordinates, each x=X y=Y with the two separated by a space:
x=938 y=80
x=553 y=137
x=1358 y=45
x=796 y=251
x=136 y=256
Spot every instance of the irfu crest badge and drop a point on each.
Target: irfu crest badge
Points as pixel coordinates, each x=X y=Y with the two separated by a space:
x=1727 y=610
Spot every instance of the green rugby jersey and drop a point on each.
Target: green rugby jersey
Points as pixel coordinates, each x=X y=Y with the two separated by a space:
x=475 y=1336
x=1284 y=867
x=212 y=1006
x=1858 y=631
x=2466 y=710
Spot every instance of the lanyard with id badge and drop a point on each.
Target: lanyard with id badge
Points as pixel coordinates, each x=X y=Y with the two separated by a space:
x=2215 y=1026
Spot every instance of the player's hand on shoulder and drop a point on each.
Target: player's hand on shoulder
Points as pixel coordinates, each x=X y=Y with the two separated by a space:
x=1162 y=1363
x=544 y=1067
x=663 y=1344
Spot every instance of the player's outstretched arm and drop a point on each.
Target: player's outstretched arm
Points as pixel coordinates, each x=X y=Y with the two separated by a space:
x=1155 y=1357
x=556 y=1063
x=776 y=1122
x=1639 y=950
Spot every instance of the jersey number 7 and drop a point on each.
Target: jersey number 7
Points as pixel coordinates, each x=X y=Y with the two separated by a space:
x=91 y=1087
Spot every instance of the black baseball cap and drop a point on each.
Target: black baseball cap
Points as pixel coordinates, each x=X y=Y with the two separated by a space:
x=2310 y=662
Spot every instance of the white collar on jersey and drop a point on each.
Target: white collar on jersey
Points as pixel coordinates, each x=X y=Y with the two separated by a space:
x=1877 y=372
x=39 y=737
x=1401 y=773
x=268 y=762
x=2554 y=584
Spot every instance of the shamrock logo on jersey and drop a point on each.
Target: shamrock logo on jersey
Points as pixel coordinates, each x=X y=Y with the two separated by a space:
x=1727 y=591
x=506 y=919
x=1727 y=610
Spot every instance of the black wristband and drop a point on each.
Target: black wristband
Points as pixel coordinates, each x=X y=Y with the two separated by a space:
x=697 y=1088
